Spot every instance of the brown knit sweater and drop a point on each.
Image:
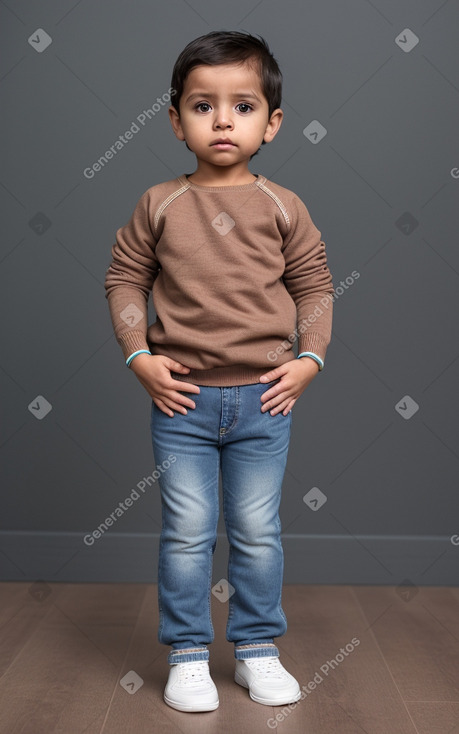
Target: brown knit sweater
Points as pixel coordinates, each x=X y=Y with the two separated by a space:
x=237 y=273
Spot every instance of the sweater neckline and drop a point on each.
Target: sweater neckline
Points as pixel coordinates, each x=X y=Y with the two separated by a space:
x=241 y=187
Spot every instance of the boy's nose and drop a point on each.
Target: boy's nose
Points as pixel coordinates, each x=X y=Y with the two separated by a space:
x=223 y=119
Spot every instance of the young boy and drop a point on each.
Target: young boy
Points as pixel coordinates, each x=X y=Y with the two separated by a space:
x=237 y=271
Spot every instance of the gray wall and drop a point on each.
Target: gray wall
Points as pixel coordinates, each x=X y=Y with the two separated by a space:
x=381 y=185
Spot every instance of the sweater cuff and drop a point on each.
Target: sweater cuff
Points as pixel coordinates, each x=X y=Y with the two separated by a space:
x=313 y=342
x=131 y=341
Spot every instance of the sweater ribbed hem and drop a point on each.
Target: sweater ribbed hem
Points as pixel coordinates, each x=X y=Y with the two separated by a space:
x=313 y=342
x=224 y=376
x=132 y=341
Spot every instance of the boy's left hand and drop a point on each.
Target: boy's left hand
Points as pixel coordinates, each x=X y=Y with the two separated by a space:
x=294 y=376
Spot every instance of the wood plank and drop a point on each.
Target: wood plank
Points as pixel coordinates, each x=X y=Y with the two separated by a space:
x=418 y=638
x=23 y=607
x=435 y=717
x=63 y=677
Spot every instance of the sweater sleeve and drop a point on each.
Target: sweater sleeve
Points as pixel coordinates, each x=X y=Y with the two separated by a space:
x=130 y=277
x=308 y=281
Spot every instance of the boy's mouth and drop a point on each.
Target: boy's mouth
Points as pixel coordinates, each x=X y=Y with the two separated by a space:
x=223 y=144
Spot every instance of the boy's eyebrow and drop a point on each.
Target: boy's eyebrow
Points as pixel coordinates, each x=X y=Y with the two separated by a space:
x=246 y=95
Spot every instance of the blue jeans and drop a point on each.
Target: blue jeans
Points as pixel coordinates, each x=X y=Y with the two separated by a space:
x=225 y=430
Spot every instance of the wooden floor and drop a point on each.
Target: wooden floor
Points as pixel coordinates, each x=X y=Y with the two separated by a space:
x=64 y=648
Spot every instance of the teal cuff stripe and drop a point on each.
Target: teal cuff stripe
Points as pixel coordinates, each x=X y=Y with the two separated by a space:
x=315 y=357
x=134 y=354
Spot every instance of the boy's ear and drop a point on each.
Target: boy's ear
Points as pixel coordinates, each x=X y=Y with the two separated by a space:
x=175 y=122
x=273 y=125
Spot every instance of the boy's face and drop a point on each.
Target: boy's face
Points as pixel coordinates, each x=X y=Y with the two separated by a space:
x=224 y=102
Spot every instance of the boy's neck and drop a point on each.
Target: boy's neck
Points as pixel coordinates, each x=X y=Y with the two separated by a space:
x=221 y=177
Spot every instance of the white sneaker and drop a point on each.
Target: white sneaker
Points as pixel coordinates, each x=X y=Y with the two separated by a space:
x=267 y=680
x=190 y=687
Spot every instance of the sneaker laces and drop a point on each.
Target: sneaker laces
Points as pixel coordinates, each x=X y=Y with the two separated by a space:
x=269 y=667
x=193 y=673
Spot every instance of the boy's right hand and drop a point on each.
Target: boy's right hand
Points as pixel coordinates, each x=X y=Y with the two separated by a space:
x=154 y=373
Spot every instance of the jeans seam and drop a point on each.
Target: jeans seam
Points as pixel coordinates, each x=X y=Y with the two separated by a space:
x=209 y=586
x=161 y=611
x=237 y=398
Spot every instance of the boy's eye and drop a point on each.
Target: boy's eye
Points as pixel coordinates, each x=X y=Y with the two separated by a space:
x=247 y=106
x=244 y=105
